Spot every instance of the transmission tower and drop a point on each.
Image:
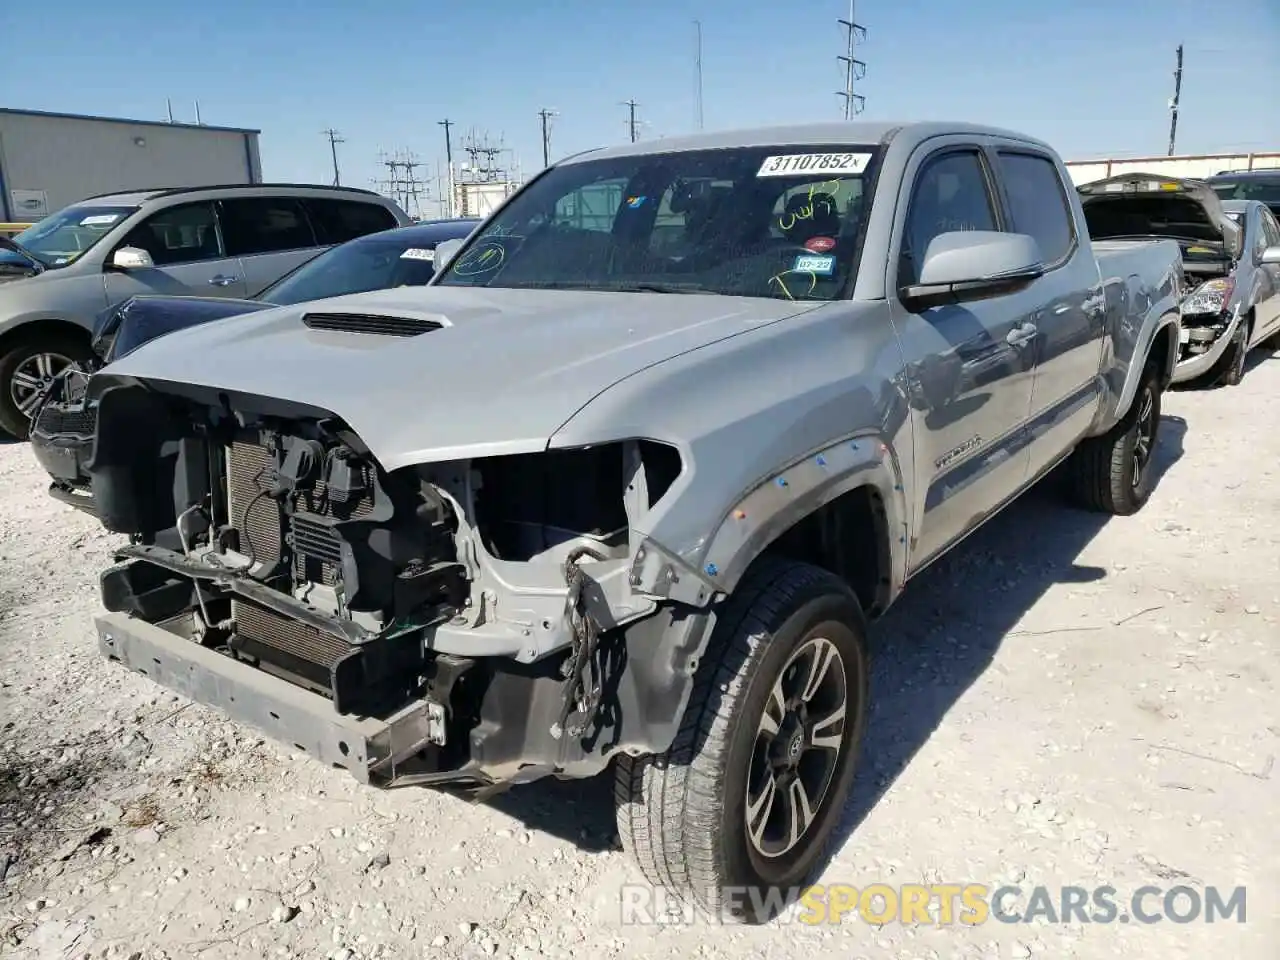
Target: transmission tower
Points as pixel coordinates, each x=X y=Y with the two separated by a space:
x=854 y=69
x=403 y=183
x=482 y=165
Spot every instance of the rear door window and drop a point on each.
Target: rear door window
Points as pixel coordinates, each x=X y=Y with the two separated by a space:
x=1038 y=203
x=337 y=221
x=252 y=225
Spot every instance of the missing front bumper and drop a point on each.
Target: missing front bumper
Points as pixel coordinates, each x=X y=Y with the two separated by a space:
x=372 y=749
x=1197 y=365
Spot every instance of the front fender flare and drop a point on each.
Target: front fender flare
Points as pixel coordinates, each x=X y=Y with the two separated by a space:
x=664 y=651
x=779 y=501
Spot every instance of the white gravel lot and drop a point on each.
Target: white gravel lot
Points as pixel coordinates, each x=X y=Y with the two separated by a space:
x=1063 y=701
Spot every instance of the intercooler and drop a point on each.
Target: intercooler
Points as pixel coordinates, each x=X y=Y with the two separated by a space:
x=308 y=654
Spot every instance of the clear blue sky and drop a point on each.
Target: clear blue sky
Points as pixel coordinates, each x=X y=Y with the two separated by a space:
x=1092 y=76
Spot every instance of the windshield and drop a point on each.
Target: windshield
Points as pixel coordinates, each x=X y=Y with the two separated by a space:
x=61 y=238
x=1267 y=191
x=370 y=263
x=777 y=221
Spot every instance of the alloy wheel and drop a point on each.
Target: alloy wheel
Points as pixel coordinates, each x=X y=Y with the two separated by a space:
x=1144 y=439
x=797 y=746
x=32 y=378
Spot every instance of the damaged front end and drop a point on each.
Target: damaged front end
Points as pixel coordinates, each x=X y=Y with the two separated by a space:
x=1211 y=317
x=1147 y=205
x=449 y=623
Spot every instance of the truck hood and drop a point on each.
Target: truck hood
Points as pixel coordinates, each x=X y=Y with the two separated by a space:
x=493 y=371
x=1147 y=204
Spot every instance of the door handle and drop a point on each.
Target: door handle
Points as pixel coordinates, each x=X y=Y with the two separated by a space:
x=222 y=280
x=1022 y=334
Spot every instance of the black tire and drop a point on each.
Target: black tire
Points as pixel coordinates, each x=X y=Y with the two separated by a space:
x=1229 y=370
x=16 y=357
x=683 y=815
x=1112 y=473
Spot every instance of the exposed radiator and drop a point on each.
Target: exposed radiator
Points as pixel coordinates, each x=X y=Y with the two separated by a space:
x=248 y=477
x=303 y=651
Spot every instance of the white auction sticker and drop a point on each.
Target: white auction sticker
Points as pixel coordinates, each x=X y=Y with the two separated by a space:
x=99 y=219
x=417 y=253
x=796 y=164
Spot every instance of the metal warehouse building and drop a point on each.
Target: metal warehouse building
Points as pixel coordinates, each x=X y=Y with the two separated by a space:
x=48 y=160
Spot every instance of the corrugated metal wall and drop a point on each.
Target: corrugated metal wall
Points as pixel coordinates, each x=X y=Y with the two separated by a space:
x=1192 y=167
x=62 y=159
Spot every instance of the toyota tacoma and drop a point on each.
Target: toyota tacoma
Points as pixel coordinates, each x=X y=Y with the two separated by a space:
x=622 y=486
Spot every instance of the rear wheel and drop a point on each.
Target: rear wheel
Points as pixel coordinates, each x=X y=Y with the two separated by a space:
x=27 y=366
x=739 y=813
x=1113 y=473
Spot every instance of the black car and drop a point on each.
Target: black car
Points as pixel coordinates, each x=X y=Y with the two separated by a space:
x=1263 y=185
x=63 y=427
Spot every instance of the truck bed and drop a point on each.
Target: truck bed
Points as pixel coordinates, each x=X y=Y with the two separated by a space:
x=1121 y=258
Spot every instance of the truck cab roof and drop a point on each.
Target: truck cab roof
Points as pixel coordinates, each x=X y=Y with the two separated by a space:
x=858 y=132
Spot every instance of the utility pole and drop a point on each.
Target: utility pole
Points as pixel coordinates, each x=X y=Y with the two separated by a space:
x=631 y=116
x=334 y=139
x=1173 y=104
x=448 y=159
x=854 y=69
x=697 y=63
x=546 y=116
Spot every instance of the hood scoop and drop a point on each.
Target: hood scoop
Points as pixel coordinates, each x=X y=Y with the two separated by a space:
x=370 y=323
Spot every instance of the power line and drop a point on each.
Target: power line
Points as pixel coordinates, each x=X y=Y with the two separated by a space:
x=334 y=139
x=854 y=69
x=1173 y=104
x=448 y=159
x=632 y=123
x=697 y=63
x=546 y=116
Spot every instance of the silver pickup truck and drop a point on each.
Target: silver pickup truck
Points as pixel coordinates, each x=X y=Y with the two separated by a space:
x=623 y=485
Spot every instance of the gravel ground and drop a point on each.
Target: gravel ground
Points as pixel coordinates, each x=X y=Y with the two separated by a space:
x=1063 y=701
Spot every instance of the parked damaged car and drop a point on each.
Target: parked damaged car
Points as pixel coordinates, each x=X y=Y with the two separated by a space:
x=620 y=488
x=63 y=426
x=1230 y=256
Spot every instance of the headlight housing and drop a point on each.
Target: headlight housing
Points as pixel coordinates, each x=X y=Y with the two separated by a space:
x=1211 y=298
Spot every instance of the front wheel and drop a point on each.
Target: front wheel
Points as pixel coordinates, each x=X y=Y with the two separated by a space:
x=27 y=368
x=1229 y=371
x=738 y=814
x=1113 y=473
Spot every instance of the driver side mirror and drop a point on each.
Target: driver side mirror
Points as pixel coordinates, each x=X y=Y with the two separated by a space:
x=131 y=258
x=967 y=265
x=446 y=250
x=1270 y=257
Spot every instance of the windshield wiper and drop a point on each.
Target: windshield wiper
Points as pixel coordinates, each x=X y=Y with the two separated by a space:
x=657 y=288
x=11 y=244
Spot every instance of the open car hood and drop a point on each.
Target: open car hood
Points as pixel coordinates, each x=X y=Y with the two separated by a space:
x=1150 y=205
